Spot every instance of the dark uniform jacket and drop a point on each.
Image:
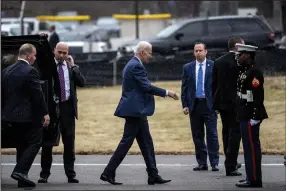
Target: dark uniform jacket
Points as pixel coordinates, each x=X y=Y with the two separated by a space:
x=250 y=93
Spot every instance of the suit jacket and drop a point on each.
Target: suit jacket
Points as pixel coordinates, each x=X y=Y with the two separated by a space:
x=137 y=92
x=76 y=79
x=225 y=76
x=22 y=96
x=188 y=87
x=53 y=40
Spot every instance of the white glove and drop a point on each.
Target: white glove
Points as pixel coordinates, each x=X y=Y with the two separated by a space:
x=254 y=122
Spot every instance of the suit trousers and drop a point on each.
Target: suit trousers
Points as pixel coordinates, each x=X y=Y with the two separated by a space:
x=252 y=151
x=28 y=137
x=231 y=137
x=201 y=115
x=134 y=128
x=67 y=129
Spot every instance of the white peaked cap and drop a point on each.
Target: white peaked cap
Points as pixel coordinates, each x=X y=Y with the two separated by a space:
x=245 y=48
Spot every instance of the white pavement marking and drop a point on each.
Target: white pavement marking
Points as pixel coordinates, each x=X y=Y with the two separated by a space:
x=135 y=164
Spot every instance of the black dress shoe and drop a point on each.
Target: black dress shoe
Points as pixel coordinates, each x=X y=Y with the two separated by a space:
x=247 y=184
x=201 y=168
x=243 y=180
x=73 y=180
x=109 y=179
x=157 y=180
x=43 y=180
x=215 y=168
x=233 y=173
x=238 y=166
x=23 y=179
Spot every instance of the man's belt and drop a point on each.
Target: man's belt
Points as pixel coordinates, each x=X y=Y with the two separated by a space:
x=248 y=96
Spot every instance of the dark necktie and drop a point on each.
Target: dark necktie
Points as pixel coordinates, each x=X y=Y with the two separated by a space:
x=62 y=82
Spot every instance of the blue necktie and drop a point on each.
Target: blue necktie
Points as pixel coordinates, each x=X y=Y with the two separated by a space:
x=199 y=92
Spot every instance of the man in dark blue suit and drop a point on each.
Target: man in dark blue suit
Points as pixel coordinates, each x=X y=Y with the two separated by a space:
x=197 y=102
x=136 y=103
x=24 y=111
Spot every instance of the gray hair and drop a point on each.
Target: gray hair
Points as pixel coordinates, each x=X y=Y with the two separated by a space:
x=141 y=46
x=26 y=49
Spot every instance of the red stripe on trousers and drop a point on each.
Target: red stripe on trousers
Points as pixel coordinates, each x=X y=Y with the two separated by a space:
x=252 y=151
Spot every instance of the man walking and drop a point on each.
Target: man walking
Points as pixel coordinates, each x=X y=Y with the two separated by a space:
x=197 y=102
x=136 y=103
x=24 y=111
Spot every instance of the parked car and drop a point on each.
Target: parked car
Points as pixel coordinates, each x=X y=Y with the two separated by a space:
x=282 y=43
x=110 y=24
x=213 y=31
x=86 y=38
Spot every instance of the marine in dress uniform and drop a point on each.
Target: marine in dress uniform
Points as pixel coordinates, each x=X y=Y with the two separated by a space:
x=250 y=113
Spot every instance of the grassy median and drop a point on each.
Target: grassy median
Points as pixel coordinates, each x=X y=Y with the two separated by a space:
x=98 y=131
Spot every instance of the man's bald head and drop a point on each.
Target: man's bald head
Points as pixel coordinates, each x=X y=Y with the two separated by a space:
x=143 y=51
x=62 y=45
x=28 y=52
x=61 y=51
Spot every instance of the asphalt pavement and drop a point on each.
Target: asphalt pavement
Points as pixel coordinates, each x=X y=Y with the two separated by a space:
x=132 y=172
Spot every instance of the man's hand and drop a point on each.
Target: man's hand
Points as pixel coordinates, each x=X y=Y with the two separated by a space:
x=70 y=61
x=186 y=110
x=44 y=34
x=173 y=95
x=46 y=120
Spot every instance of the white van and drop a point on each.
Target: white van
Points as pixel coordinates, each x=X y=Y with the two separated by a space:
x=14 y=29
x=35 y=26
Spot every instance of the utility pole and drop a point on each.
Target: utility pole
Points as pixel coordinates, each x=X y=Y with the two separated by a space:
x=23 y=3
x=136 y=7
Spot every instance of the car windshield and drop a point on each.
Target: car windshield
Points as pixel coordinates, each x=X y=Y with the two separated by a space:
x=168 y=31
x=58 y=25
x=16 y=31
x=106 y=21
x=73 y=36
x=77 y=35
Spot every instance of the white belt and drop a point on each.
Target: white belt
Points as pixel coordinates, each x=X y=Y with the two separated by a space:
x=248 y=96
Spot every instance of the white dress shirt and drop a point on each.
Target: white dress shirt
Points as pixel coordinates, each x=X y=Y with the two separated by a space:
x=204 y=72
x=66 y=77
x=142 y=64
x=23 y=60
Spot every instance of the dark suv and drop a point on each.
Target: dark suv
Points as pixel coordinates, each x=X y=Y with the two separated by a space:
x=213 y=31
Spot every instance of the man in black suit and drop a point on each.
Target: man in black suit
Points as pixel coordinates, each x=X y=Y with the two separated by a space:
x=24 y=111
x=54 y=37
x=69 y=78
x=225 y=75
